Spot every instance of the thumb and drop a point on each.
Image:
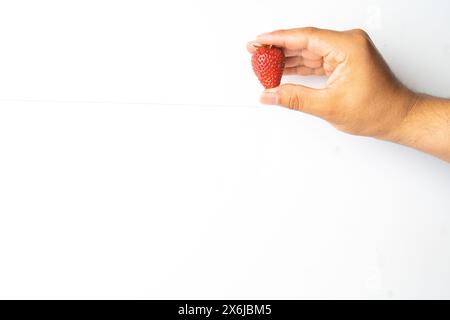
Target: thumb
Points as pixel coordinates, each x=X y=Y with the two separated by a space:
x=296 y=97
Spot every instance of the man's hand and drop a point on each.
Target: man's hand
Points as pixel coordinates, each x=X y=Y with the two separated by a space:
x=362 y=96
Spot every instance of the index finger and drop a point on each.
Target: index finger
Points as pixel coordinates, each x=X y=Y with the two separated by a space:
x=252 y=46
x=317 y=41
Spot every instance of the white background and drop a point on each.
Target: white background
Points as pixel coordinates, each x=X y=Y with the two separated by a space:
x=135 y=161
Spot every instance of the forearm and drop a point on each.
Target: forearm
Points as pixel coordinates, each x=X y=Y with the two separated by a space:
x=427 y=127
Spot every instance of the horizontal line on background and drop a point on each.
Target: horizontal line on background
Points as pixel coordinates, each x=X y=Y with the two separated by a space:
x=202 y=105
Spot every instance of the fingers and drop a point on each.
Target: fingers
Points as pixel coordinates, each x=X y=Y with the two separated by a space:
x=303 y=67
x=310 y=55
x=320 y=72
x=300 y=61
x=316 y=42
x=306 y=49
x=298 y=97
x=252 y=46
x=290 y=62
x=303 y=71
x=299 y=65
x=305 y=53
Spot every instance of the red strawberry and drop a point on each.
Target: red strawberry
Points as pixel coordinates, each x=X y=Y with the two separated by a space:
x=268 y=64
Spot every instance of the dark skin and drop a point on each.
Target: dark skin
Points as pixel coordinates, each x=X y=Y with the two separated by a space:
x=362 y=95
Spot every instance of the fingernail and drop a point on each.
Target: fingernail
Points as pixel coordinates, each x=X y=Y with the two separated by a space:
x=255 y=44
x=270 y=97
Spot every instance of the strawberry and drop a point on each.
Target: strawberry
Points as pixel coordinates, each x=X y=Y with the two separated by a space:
x=268 y=65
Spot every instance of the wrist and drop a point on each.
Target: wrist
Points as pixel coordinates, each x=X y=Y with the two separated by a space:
x=405 y=103
x=426 y=126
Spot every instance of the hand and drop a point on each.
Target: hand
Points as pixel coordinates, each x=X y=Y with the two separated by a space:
x=361 y=97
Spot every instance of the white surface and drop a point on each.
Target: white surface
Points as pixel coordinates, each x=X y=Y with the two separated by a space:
x=193 y=200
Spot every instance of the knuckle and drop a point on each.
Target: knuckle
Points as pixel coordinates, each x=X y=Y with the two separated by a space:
x=295 y=102
x=362 y=37
x=360 y=32
x=280 y=31
x=310 y=30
